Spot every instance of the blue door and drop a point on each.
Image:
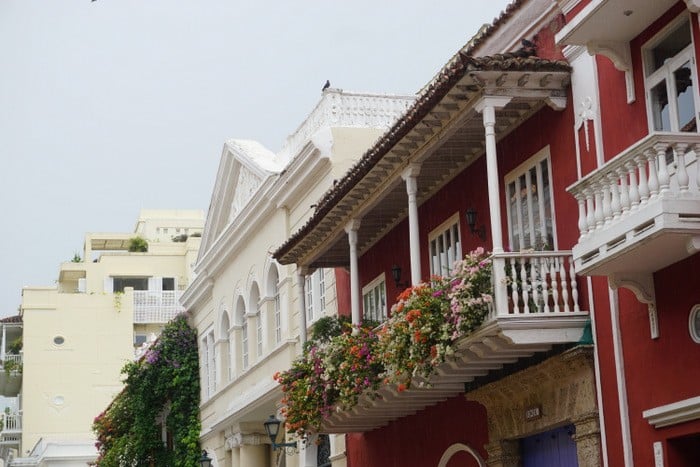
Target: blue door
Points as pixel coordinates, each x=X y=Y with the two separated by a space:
x=553 y=448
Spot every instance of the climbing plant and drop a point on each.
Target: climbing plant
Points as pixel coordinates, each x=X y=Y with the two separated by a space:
x=161 y=391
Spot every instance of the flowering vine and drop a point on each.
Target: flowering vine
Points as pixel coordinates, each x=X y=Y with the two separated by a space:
x=424 y=325
x=161 y=389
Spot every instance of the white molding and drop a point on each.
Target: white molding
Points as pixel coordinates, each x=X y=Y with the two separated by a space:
x=674 y=413
x=620 y=377
x=694 y=333
x=693 y=5
x=642 y=285
x=459 y=447
x=619 y=54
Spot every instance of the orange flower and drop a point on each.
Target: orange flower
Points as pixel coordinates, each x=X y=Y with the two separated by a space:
x=401 y=387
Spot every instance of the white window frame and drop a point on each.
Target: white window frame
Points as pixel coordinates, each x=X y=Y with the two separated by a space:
x=315 y=294
x=245 y=355
x=369 y=293
x=259 y=331
x=278 y=314
x=441 y=264
x=513 y=177
x=211 y=343
x=665 y=73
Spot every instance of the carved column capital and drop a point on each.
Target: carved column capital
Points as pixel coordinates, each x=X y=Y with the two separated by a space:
x=237 y=440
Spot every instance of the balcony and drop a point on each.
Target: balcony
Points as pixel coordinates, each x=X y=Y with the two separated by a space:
x=11 y=375
x=640 y=212
x=156 y=306
x=536 y=306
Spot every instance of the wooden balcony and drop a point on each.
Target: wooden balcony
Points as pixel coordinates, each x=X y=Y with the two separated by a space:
x=536 y=306
x=640 y=212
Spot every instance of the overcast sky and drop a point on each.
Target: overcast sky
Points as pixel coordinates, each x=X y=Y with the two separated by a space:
x=111 y=106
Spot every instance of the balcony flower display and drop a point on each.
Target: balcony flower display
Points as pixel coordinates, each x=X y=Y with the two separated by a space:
x=329 y=375
x=425 y=323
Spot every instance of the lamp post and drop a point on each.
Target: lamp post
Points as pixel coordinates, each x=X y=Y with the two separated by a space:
x=205 y=460
x=272 y=428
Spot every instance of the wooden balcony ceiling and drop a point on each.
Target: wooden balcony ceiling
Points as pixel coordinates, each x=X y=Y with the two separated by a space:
x=443 y=133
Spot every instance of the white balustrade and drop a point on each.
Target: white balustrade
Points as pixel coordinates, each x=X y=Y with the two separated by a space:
x=636 y=177
x=11 y=422
x=156 y=306
x=535 y=282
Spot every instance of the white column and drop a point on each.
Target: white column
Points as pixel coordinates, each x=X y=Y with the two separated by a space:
x=487 y=106
x=351 y=229
x=4 y=344
x=301 y=286
x=410 y=176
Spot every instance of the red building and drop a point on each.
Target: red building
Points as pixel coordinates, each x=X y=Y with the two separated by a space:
x=571 y=157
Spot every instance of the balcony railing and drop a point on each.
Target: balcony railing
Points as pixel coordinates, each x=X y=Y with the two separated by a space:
x=156 y=306
x=536 y=306
x=649 y=188
x=14 y=359
x=11 y=422
x=542 y=282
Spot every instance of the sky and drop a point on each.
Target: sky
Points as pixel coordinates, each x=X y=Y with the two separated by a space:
x=108 y=107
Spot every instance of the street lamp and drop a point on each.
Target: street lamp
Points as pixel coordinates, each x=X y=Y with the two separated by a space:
x=272 y=428
x=205 y=460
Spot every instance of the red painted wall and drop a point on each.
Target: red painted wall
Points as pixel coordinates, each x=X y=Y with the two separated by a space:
x=342 y=291
x=624 y=124
x=647 y=362
x=664 y=370
x=421 y=439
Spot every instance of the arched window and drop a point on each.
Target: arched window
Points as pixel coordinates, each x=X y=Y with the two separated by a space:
x=242 y=321
x=224 y=330
x=254 y=310
x=273 y=279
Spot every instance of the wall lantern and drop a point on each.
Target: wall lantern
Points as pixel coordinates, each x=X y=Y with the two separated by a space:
x=205 y=460
x=471 y=222
x=272 y=428
x=396 y=275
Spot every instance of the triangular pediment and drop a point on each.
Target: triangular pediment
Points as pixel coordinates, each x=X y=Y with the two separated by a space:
x=245 y=166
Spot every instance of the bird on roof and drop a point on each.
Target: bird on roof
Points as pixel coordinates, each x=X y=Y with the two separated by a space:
x=527 y=49
x=326 y=86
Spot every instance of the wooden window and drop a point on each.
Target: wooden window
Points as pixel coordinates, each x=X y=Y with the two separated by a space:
x=374 y=300
x=529 y=205
x=445 y=247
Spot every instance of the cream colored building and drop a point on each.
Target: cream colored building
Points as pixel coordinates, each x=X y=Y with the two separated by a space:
x=78 y=334
x=246 y=308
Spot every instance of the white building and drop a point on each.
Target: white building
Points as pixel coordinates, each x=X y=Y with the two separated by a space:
x=247 y=309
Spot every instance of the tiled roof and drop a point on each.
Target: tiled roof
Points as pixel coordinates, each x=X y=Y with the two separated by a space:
x=456 y=69
x=12 y=319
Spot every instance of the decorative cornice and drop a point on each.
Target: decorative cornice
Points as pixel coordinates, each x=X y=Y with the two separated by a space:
x=672 y=414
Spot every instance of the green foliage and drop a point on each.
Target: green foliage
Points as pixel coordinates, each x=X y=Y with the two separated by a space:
x=76 y=258
x=324 y=329
x=162 y=386
x=138 y=245
x=12 y=366
x=15 y=346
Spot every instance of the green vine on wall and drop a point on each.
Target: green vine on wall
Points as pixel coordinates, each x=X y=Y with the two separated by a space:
x=161 y=388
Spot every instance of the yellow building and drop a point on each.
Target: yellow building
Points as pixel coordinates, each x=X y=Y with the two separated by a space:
x=78 y=334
